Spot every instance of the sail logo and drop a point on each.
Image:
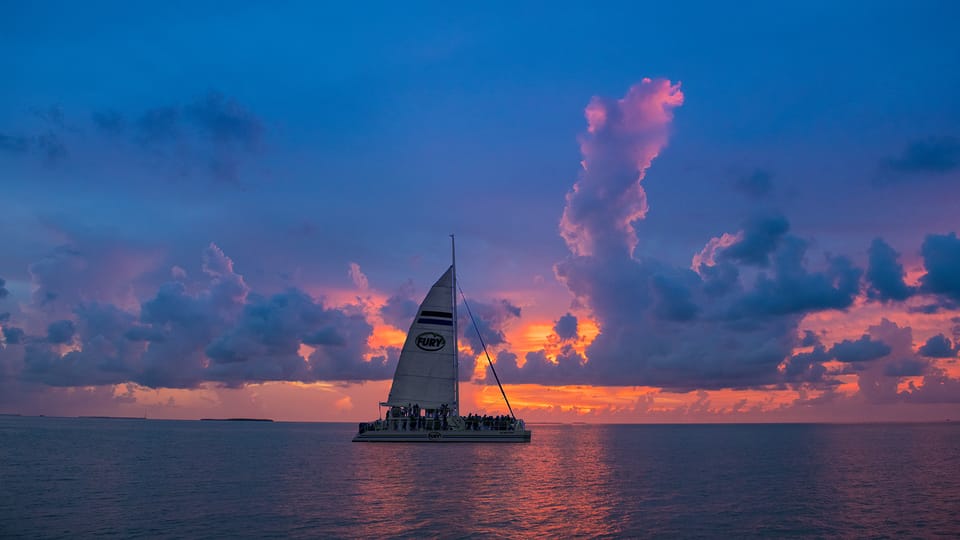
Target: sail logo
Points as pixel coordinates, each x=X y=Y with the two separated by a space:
x=430 y=341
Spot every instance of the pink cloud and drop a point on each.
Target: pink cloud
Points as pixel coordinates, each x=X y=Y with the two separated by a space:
x=622 y=139
x=708 y=254
x=358 y=277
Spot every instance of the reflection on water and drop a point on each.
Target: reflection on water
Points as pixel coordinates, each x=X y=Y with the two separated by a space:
x=493 y=489
x=82 y=477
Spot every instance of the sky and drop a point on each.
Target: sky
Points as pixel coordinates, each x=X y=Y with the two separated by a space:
x=663 y=213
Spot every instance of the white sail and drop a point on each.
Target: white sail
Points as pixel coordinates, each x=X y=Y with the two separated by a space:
x=426 y=372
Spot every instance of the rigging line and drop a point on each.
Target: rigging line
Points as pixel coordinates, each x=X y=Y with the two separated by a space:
x=484 y=345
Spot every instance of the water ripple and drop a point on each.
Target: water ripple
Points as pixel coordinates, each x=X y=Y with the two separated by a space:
x=154 y=479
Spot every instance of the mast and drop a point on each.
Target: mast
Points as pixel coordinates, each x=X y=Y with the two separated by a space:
x=456 y=348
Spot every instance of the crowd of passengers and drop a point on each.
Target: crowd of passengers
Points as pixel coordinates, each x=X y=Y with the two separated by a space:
x=413 y=418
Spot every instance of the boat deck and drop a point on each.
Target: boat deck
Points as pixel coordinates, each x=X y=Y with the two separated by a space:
x=442 y=436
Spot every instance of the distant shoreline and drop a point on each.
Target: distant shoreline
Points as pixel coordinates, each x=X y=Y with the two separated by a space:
x=236 y=420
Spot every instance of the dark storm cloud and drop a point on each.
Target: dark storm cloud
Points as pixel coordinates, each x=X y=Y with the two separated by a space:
x=757 y=185
x=941 y=258
x=721 y=279
x=885 y=275
x=60 y=332
x=673 y=298
x=13 y=335
x=861 y=350
x=324 y=336
x=792 y=289
x=939 y=346
x=932 y=155
x=760 y=238
x=808 y=366
x=566 y=327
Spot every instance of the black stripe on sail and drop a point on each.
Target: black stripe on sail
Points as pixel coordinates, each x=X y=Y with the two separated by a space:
x=445 y=314
x=424 y=320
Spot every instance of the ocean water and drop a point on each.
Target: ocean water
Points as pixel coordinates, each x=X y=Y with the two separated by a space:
x=73 y=478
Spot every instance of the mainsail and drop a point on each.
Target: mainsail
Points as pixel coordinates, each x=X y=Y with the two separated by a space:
x=426 y=371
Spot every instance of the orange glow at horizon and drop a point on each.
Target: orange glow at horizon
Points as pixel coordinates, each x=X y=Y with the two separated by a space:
x=539 y=335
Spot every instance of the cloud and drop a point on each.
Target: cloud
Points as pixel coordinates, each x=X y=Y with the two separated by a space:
x=104 y=354
x=672 y=298
x=938 y=346
x=885 y=275
x=807 y=366
x=359 y=278
x=756 y=185
x=400 y=308
x=861 y=350
x=13 y=335
x=213 y=134
x=941 y=258
x=566 y=327
x=809 y=339
x=933 y=155
x=211 y=330
x=622 y=139
x=708 y=255
x=792 y=289
x=86 y=269
x=225 y=120
x=264 y=342
x=538 y=369
x=60 y=332
x=491 y=318
x=936 y=387
x=731 y=322
x=878 y=377
x=48 y=146
x=642 y=342
x=759 y=237
x=3 y=290
x=908 y=367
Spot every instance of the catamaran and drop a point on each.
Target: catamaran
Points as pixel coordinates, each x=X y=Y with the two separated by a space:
x=424 y=401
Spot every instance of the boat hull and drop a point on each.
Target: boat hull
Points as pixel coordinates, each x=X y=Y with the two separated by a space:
x=446 y=436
